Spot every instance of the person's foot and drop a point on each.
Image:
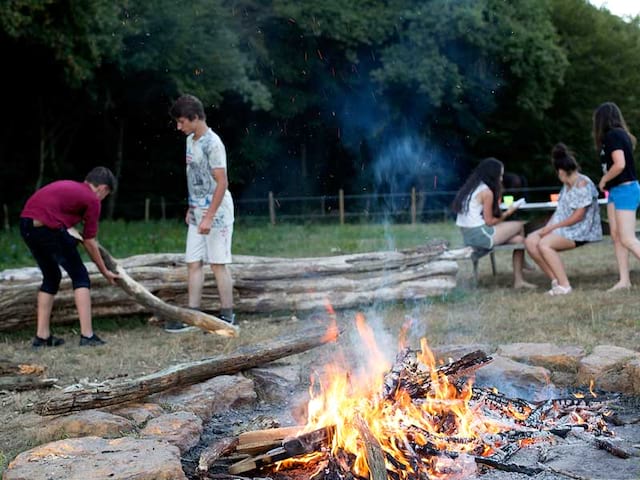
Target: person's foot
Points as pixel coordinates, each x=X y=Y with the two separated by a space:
x=554 y=283
x=92 y=341
x=178 y=327
x=620 y=286
x=46 y=342
x=523 y=285
x=230 y=319
x=559 y=290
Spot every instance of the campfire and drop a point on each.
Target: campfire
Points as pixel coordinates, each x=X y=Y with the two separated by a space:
x=413 y=419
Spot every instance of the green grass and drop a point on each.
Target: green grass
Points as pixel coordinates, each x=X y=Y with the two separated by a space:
x=124 y=239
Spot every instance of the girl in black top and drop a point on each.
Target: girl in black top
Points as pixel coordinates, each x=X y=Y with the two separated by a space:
x=615 y=145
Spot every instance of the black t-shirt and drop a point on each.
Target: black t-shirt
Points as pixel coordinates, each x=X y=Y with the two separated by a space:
x=618 y=139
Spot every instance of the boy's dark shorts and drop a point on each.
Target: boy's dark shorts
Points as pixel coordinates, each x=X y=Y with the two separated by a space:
x=51 y=249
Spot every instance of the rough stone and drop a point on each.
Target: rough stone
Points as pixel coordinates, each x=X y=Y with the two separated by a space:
x=98 y=458
x=607 y=367
x=516 y=379
x=633 y=370
x=446 y=352
x=85 y=423
x=182 y=429
x=553 y=357
x=277 y=383
x=208 y=398
x=139 y=413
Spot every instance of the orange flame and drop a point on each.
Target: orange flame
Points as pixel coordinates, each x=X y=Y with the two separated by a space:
x=402 y=424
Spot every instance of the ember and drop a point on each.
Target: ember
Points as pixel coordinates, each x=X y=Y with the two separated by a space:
x=415 y=419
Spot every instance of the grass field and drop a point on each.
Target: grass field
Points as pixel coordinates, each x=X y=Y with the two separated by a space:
x=490 y=314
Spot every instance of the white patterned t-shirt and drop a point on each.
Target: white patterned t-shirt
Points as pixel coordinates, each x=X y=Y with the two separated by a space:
x=204 y=155
x=589 y=229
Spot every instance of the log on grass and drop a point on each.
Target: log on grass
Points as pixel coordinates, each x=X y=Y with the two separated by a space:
x=144 y=297
x=23 y=376
x=113 y=393
x=261 y=284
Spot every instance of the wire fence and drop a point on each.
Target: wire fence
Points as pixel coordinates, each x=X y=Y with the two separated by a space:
x=408 y=207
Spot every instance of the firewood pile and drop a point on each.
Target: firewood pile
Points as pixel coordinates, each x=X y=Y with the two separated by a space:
x=420 y=421
x=261 y=284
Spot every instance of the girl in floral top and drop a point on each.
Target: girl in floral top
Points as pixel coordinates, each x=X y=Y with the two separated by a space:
x=575 y=222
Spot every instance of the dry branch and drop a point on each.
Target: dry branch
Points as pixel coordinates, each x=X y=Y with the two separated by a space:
x=146 y=298
x=210 y=454
x=115 y=393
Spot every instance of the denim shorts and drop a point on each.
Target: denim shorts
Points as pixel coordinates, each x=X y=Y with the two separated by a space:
x=478 y=237
x=625 y=196
x=51 y=249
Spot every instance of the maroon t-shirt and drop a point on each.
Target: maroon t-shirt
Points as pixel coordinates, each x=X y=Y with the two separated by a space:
x=63 y=204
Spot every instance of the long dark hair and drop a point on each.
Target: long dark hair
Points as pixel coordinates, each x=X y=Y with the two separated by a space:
x=607 y=117
x=563 y=159
x=488 y=171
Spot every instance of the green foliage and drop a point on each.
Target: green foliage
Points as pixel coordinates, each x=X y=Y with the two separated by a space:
x=196 y=45
x=80 y=34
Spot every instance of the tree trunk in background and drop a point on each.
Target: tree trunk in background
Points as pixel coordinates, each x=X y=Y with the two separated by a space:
x=117 y=167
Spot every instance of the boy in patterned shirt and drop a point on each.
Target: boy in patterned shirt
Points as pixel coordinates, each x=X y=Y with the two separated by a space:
x=210 y=214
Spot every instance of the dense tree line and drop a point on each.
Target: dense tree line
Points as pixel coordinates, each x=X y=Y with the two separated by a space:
x=308 y=96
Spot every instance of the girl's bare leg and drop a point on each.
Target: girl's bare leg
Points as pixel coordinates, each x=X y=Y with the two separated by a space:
x=532 y=243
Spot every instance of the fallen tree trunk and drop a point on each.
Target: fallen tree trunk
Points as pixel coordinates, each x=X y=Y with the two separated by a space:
x=261 y=284
x=114 y=393
x=143 y=297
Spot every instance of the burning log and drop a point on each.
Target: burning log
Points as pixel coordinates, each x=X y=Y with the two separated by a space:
x=406 y=374
x=116 y=393
x=261 y=284
x=373 y=449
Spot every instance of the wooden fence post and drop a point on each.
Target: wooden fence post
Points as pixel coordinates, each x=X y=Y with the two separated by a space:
x=413 y=205
x=5 y=211
x=163 y=208
x=341 y=205
x=323 y=206
x=147 y=205
x=272 y=209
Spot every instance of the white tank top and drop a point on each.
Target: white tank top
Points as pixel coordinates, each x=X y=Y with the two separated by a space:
x=473 y=216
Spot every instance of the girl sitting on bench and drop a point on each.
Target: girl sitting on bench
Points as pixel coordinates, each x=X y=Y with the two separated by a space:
x=481 y=222
x=575 y=222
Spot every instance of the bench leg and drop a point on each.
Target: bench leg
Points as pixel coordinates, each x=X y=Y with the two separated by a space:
x=493 y=263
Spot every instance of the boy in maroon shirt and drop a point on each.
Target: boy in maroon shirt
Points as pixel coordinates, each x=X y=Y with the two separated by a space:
x=43 y=224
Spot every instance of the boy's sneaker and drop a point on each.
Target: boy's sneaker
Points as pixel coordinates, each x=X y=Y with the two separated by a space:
x=230 y=319
x=178 y=327
x=92 y=341
x=46 y=342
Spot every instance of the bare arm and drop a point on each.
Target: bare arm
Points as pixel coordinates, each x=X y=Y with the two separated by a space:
x=91 y=246
x=616 y=169
x=486 y=197
x=220 y=176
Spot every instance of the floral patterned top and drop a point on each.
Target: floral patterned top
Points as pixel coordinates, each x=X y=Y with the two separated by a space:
x=589 y=229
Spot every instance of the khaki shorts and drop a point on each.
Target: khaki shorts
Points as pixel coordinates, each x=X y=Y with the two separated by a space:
x=215 y=247
x=479 y=237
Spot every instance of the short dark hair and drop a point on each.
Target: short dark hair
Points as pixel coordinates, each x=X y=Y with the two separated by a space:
x=187 y=106
x=102 y=176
